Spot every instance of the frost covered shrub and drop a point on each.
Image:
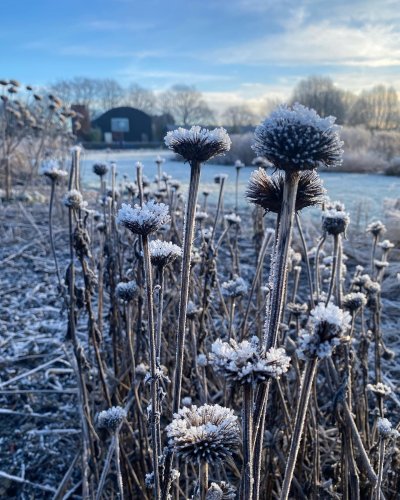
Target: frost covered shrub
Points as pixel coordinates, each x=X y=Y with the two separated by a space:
x=363 y=161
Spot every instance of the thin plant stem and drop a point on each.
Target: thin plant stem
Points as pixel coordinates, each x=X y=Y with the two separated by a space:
x=306 y=390
x=248 y=441
x=306 y=260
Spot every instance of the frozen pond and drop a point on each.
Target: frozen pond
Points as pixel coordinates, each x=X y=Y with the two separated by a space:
x=364 y=193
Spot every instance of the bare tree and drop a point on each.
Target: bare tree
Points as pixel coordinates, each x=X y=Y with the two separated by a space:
x=79 y=90
x=140 y=98
x=239 y=116
x=186 y=105
x=377 y=109
x=110 y=94
x=320 y=93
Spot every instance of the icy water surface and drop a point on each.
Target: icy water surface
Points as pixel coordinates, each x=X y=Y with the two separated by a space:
x=363 y=194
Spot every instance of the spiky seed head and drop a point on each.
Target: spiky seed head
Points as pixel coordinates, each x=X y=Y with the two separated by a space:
x=198 y=144
x=144 y=219
x=354 y=301
x=267 y=190
x=335 y=222
x=245 y=363
x=385 y=429
x=73 y=199
x=380 y=264
x=297 y=138
x=261 y=162
x=51 y=168
x=234 y=288
x=386 y=245
x=376 y=228
x=200 y=216
x=112 y=418
x=100 y=169
x=379 y=389
x=126 y=290
x=163 y=253
x=209 y=433
x=233 y=219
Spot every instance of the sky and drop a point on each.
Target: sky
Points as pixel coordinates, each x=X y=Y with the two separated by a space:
x=234 y=51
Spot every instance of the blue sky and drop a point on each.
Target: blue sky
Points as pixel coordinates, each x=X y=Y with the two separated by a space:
x=232 y=50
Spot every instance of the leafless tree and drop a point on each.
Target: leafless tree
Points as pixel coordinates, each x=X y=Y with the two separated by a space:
x=239 y=116
x=140 y=98
x=377 y=109
x=320 y=93
x=110 y=94
x=186 y=105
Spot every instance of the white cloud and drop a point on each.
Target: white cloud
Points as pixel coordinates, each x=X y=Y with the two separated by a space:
x=320 y=44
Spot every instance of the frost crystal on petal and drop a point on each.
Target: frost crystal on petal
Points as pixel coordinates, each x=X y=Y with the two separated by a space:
x=208 y=433
x=143 y=220
x=198 y=144
x=297 y=138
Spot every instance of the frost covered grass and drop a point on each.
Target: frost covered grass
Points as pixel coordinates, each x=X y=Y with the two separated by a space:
x=217 y=355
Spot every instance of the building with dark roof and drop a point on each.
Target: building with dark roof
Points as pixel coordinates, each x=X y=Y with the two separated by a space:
x=124 y=124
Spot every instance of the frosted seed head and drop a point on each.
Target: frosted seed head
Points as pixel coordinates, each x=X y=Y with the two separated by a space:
x=235 y=287
x=354 y=301
x=111 y=419
x=163 y=253
x=380 y=389
x=198 y=144
x=335 y=222
x=385 y=429
x=126 y=291
x=209 y=433
x=386 y=245
x=73 y=199
x=245 y=363
x=376 y=228
x=233 y=219
x=267 y=190
x=51 y=168
x=143 y=220
x=297 y=138
x=100 y=169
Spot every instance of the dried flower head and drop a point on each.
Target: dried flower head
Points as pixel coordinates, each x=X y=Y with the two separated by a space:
x=111 y=419
x=159 y=160
x=193 y=310
x=144 y=219
x=386 y=245
x=73 y=199
x=244 y=362
x=239 y=164
x=267 y=190
x=335 y=221
x=379 y=389
x=126 y=290
x=51 y=169
x=354 y=301
x=297 y=309
x=163 y=253
x=261 y=162
x=221 y=491
x=100 y=169
x=200 y=216
x=380 y=264
x=198 y=144
x=209 y=433
x=376 y=228
x=328 y=326
x=385 y=429
x=232 y=219
x=297 y=138
x=236 y=287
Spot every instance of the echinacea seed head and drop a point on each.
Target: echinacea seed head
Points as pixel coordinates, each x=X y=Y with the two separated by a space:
x=163 y=253
x=73 y=199
x=385 y=429
x=234 y=288
x=267 y=190
x=112 y=418
x=335 y=221
x=297 y=138
x=297 y=309
x=198 y=144
x=145 y=219
x=100 y=169
x=245 y=363
x=354 y=301
x=232 y=219
x=126 y=291
x=209 y=433
x=51 y=168
x=376 y=228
